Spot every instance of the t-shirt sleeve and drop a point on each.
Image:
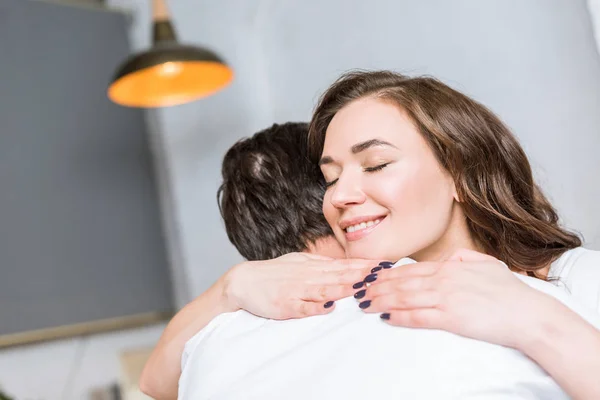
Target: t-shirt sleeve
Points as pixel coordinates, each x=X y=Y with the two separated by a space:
x=561 y=294
x=584 y=278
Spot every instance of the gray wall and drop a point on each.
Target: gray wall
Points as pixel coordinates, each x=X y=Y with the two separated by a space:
x=80 y=232
x=532 y=61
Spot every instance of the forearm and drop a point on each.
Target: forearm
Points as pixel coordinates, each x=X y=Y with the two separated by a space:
x=161 y=373
x=568 y=348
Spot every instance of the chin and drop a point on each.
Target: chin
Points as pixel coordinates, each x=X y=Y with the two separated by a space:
x=372 y=252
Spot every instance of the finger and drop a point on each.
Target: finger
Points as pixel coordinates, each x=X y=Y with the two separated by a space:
x=425 y=318
x=405 y=271
x=337 y=265
x=411 y=284
x=341 y=277
x=302 y=309
x=470 y=255
x=323 y=293
x=409 y=300
x=354 y=263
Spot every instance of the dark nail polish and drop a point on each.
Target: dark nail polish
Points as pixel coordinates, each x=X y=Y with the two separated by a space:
x=385 y=316
x=328 y=304
x=386 y=264
x=377 y=269
x=358 y=285
x=360 y=294
x=365 y=304
x=370 y=278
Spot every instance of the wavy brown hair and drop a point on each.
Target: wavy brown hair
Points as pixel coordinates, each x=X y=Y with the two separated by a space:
x=507 y=213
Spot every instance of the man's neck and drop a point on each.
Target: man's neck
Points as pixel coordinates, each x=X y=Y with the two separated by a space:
x=326 y=246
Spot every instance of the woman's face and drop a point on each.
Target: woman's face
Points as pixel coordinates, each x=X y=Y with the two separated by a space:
x=387 y=195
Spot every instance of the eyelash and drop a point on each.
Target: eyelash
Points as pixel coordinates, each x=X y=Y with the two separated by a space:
x=377 y=168
x=369 y=169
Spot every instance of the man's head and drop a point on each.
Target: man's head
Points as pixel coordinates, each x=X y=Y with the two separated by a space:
x=271 y=196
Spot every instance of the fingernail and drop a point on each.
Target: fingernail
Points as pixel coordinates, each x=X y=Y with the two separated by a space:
x=365 y=304
x=370 y=278
x=360 y=294
x=385 y=316
x=386 y=264
x=358 y=285
x=328 y=304
x=377 y=269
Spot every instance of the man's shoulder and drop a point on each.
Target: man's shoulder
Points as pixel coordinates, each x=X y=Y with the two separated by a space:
x=579 y=271
x=214 y=329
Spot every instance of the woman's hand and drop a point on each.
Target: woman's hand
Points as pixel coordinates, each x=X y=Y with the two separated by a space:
x=471 y=294
x=295 y=285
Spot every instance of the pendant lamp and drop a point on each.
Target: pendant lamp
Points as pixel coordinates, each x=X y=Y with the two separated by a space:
x=169 y=73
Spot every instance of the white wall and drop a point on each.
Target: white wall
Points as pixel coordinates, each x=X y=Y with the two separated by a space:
x=532 y=61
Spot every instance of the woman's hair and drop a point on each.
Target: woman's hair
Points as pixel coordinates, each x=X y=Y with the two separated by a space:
x=507 y=213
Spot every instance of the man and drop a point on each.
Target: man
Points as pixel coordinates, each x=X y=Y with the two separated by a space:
x=271 y=204
x=270 y=201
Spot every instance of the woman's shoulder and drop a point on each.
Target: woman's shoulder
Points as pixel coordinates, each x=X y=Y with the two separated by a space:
x=579 y=270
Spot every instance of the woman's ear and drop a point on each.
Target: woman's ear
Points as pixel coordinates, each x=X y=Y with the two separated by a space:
x=455 y=193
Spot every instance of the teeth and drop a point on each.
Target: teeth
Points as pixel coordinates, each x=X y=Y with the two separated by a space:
x=362 y=225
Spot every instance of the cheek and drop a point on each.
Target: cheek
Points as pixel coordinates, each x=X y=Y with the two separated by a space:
x=329 y=211
x=420 y=203
x=432 y=202
x=399 y=190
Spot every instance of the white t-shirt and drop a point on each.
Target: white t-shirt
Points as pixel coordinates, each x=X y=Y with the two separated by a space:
x=349 y=354
x=579 y=271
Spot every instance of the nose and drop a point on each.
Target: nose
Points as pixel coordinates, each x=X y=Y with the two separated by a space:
x=346 y=192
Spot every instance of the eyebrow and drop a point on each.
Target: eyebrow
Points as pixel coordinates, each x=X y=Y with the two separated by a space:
x=360 y=147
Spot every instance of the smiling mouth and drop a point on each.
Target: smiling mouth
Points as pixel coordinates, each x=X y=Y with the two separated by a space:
x=363 y=225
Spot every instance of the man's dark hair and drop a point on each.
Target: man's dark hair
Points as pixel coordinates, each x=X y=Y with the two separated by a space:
x=272 y=194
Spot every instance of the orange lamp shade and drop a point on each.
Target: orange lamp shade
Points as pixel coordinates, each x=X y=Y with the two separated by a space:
x=168 y=75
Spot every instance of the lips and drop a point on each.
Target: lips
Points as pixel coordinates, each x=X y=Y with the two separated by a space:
x=362 y=225
x=358 y=228
x=357 y=221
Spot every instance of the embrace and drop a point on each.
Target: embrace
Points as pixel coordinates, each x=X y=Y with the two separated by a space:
x=397 y=247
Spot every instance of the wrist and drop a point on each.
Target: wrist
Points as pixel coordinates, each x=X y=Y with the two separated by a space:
x=228 y=289
x=545 y=328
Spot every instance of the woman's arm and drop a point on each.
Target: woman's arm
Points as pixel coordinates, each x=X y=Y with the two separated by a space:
x=567 y=347
x=306 y=282
x=473 y=295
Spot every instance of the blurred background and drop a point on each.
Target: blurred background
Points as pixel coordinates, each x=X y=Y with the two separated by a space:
x=108 y=215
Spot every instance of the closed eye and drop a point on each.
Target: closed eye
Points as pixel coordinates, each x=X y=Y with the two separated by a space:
x=377 y=168
x=367 y=169
x=329 y=184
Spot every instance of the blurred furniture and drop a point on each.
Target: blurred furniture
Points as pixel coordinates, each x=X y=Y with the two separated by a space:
x=132 y=365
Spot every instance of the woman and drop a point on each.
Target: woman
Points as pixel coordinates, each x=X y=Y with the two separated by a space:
x=415 y=169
